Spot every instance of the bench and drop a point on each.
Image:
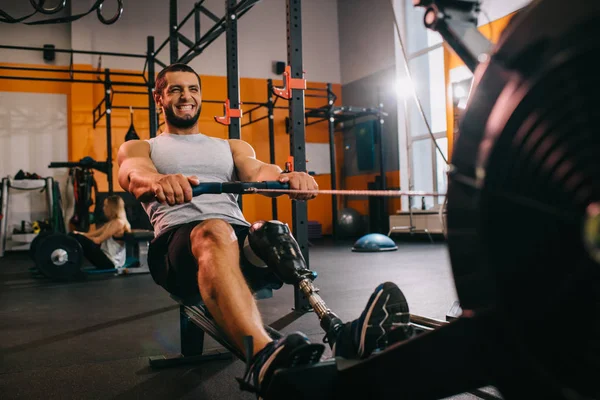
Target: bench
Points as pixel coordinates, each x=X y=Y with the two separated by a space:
x=194 y=321
x=136 y=243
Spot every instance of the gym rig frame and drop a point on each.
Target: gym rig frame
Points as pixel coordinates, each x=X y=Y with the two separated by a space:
x=337 y=118
x=293 y=90
x=93 y=77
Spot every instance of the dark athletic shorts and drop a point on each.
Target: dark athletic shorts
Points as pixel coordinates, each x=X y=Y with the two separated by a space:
x=173 y=266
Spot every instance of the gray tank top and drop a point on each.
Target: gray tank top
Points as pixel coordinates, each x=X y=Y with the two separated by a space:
x=207 y=158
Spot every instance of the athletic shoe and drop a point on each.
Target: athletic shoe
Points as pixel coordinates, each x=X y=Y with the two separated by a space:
x=292 y=350
x=386 y=311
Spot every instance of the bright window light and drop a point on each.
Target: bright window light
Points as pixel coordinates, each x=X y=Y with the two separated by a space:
x=459 y=92
x=405 y=88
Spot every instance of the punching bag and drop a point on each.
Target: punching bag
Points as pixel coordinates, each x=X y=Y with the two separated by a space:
x=131 y=133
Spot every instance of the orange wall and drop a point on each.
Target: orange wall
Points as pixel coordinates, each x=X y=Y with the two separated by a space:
x=84 y=140
x=492 y=31
x=360 y=182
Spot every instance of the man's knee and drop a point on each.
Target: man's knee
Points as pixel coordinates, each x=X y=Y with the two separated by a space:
x=252 y=251
x=273 y=243
x=211 y=234
x=265 y=234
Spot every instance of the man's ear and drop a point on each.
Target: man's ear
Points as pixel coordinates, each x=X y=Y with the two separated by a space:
x=157 y=99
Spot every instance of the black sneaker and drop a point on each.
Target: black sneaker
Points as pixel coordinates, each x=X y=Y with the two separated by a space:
x=292 y=350
x=386 y=311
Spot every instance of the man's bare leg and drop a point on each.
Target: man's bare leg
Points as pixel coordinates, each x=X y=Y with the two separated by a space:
x=222 y=285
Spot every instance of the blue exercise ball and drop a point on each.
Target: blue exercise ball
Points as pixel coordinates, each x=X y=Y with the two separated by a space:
x=374 y=242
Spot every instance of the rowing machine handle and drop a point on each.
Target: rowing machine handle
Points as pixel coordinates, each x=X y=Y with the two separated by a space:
x=235 y=187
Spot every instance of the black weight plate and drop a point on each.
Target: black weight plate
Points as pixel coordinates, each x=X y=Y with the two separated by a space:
x=59 y=257
x=36 y=241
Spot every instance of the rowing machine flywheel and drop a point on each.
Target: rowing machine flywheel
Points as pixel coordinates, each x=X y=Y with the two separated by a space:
x=524 y=193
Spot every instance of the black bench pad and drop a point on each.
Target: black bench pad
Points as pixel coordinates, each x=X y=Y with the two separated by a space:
x=137 y=235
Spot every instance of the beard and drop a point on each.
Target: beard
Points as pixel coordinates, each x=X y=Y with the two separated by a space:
x=181 y=122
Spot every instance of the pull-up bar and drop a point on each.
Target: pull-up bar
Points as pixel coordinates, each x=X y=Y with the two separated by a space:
x=69 y=71
x=71 y=51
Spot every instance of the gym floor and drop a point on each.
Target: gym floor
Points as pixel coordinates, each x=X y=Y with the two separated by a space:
x=92 y=339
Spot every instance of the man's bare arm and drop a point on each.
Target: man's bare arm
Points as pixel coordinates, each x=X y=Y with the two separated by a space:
x=250 y=169
x=137 y=173
x=139 y=176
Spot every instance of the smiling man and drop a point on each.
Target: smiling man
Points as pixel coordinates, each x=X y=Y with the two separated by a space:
x=201 y=242
x=181 y=111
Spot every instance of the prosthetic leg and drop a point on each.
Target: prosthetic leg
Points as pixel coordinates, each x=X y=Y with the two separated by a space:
x=270 y=244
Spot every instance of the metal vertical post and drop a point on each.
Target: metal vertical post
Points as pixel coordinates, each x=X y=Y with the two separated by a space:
x=380 y=122
x=270 y=108
x=297 y=134
x=108 y=105
x=151 y=103
x=197 y=22
x=382 y=217
x=4 y=219
x=173 y=38
x=50 y=190
x=332 y=163
x=233 y=78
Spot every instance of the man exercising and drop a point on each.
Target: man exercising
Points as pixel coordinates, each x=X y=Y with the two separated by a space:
x=201 y=242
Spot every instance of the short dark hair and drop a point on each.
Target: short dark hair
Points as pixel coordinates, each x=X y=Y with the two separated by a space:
x=161 y=80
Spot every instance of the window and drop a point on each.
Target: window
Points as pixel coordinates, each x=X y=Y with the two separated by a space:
x=422 y=171
x=428 y=170
x=427 y=72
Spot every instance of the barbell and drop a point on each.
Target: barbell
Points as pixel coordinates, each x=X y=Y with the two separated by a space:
x=57 y=256
x=34 y=243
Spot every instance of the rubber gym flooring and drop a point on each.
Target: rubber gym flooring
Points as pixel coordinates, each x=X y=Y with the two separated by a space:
x=92 y=339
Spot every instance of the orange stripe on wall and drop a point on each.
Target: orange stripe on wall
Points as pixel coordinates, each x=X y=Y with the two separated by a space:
x=360 y=182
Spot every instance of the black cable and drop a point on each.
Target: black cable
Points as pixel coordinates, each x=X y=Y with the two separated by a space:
x=408 y=74
x=4 y=17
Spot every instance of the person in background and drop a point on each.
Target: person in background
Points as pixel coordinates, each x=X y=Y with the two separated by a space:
x=100 y=247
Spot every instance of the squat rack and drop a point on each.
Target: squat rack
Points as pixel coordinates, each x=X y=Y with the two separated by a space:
x=341 y=115
x=270 y=105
